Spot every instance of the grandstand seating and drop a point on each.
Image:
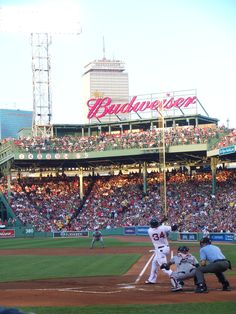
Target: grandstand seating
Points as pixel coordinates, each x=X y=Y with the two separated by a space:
x=127 y=140
x=116 y=201
x=53 y=203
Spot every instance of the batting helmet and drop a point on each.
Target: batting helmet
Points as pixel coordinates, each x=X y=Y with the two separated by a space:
x=183 y=249
x=205 y=240
x=154 y=223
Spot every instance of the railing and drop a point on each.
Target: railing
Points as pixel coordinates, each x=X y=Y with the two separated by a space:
x=6 y=152
x=9 y=210
x=10 y=150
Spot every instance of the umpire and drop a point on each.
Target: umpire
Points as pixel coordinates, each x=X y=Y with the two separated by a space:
x=213 y=261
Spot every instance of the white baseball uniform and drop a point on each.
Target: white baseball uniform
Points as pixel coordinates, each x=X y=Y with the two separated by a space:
x=159 y=238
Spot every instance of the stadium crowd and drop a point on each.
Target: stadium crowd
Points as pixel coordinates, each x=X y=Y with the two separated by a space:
x=48 y=203
x=227 y=140
x=53 y=203
x=124 y=140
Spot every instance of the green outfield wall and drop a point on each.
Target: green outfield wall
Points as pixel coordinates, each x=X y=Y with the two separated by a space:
x=29 y=232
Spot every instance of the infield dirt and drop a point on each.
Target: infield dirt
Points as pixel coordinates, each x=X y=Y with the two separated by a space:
x=105 y=290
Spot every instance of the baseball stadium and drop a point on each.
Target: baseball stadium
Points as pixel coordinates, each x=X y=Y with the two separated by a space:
x=131 y=211
x=115 y=176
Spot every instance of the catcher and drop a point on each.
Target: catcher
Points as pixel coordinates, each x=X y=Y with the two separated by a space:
x=186 y=265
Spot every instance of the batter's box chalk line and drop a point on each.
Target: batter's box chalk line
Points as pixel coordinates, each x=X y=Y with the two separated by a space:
x=71 y=290
x=130 y=286
x=76 y=290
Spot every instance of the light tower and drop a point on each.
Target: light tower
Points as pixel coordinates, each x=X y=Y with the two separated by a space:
x=42 y=99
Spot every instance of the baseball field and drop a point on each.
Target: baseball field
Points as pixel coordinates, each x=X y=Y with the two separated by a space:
x=64 y=276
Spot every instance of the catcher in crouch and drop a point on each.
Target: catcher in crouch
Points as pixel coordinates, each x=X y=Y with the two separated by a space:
x=186 y=265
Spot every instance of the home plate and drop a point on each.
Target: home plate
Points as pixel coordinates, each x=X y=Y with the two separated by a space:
x=127 y=286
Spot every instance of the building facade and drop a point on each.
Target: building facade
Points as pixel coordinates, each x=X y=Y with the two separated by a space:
x=12 y=121
x=105 y=78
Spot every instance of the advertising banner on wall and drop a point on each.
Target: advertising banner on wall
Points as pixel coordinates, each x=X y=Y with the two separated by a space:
x=225 y=237
x=188 y=236
x=70 y=234
x=142 y=230
x=129 y=231
x=7 y=233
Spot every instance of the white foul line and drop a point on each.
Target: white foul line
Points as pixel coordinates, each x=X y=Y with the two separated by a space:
x=72 y=290
x=144 y=268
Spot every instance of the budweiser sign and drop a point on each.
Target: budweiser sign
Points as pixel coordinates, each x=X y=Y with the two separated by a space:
x=100 y=107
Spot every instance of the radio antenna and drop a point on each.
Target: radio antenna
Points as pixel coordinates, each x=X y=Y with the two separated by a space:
x=103 y=48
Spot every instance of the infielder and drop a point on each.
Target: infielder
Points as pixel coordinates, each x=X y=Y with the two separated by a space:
x=158 y=234
x=97 y=236
x=186 y=265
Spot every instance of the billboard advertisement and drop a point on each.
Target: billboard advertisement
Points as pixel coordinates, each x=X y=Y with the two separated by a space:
x=7 y=233
x=70 y=234
x=188 y=236
x=129 y=231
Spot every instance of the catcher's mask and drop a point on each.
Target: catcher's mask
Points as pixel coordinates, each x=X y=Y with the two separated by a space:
x=205 y=240
x=154 y=223
x=183 y=249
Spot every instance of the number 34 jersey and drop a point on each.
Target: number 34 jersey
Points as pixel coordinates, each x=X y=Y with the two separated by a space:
x=159 y=235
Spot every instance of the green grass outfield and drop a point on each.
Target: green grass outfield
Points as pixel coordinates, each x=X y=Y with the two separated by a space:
x=194 y=308
x=30 y=267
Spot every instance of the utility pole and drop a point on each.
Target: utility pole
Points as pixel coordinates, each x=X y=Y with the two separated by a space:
x=162 y=159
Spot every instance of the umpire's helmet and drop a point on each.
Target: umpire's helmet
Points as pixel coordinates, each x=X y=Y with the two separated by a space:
x=183 y=249
x=154 y=223
x=205 y=240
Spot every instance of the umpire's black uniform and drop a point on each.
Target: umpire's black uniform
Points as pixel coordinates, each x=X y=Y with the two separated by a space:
x=217 y=264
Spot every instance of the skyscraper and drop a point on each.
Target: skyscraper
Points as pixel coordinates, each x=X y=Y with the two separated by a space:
x=106 y=78
x=11 y=121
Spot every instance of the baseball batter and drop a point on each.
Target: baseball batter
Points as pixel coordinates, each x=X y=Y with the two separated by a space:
x=186 y=265
x=159 y=237
x=97 y=237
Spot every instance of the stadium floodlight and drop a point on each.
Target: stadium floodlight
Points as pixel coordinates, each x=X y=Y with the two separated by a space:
x=41 y=21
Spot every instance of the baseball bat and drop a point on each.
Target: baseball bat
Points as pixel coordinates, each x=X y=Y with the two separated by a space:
x=144 y=268
x=163 y=220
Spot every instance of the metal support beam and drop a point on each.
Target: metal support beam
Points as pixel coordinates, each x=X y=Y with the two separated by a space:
x=162 y=159
x=214 y=162
x=145 y=177
x=81 y=184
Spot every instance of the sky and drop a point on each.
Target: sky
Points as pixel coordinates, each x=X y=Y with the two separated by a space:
x=167 y=45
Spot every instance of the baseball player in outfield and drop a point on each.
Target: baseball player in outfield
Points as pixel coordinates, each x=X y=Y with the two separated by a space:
x=158 y=234
x=186 y=265
x=97 y=237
